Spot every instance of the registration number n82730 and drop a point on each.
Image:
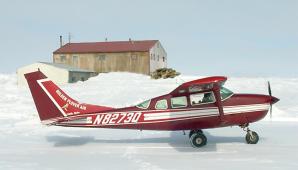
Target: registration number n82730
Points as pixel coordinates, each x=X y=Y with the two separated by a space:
x=117 y=118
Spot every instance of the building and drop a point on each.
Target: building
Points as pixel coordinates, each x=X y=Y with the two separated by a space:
x=126 y=56
x=58 y=73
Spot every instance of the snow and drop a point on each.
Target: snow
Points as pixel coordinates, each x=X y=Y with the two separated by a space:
x=26 y=144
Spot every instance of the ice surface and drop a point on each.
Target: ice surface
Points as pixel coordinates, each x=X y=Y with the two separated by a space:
x=26 y=144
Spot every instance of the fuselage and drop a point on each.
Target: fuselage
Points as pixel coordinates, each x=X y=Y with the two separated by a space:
x=180 y=112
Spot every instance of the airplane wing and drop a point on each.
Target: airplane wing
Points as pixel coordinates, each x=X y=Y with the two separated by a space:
x=198 y=85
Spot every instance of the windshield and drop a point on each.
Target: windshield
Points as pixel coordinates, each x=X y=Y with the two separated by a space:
x=225 y=93
x=144 y=105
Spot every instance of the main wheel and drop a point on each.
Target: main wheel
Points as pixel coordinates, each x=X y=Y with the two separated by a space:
x=198 y=140
x=194 y=131
x=252 y=137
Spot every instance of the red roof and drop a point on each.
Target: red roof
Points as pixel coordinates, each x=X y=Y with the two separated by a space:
x=106 y=47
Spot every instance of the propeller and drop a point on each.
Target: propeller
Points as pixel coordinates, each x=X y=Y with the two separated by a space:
x=270 y=93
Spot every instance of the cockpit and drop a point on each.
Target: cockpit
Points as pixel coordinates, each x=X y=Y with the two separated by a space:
x=196 y=98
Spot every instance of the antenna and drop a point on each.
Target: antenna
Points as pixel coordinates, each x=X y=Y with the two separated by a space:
x=69 y=37
x=61 y=41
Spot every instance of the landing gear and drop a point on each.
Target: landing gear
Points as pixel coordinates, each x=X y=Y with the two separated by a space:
x=194 y=131
x=197 y=138
x=251 y=136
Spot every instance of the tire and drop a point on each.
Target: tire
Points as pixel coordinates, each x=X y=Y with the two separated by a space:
x=194 y=131
x=198 y=140
x=252 y=137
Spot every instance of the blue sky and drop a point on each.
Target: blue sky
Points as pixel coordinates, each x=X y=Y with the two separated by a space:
x=224 y=37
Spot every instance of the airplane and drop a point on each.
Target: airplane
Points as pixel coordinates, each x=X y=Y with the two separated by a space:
x=194 y=106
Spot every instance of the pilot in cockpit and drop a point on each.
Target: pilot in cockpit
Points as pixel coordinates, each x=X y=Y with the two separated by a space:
x=207 y=98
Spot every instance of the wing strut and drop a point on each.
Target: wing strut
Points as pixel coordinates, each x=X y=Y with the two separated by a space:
x=216 y=90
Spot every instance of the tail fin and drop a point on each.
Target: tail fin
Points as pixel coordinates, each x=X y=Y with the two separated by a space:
x=52 y=103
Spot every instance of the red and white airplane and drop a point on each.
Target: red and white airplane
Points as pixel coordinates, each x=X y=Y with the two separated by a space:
x=195 y=105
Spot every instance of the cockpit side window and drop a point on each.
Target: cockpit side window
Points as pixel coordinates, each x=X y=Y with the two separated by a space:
x=144 y=105
x=202 y=98
x=225 y=93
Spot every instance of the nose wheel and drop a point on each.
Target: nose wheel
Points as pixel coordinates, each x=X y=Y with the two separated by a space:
x=251 y=136
x=197 y=138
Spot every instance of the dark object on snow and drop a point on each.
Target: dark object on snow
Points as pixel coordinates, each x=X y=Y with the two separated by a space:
x=164 y=73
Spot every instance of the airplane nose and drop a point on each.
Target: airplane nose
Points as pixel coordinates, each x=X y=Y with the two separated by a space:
x=273 y=100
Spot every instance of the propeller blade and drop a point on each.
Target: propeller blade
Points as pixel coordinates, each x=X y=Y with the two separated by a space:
x=269 y=89
x=270 y=93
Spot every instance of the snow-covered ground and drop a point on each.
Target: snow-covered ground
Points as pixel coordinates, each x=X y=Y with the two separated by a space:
x=26 y=144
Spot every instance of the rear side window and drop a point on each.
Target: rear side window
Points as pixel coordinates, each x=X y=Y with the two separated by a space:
x=144 y=105
x=161 y=104
x=177 y=102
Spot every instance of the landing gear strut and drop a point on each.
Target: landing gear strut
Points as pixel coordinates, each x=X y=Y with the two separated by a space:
x=251 y=136
x=197 y=138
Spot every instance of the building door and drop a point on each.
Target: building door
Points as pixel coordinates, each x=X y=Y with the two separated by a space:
x=134 y=63
x=101 y=63
x=75 y=61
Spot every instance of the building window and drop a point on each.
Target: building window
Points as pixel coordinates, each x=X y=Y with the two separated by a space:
x=75 y=61
x=158 y=58
x=101 y=57
x=134 y=57
x=163 y=59
x=62 y=58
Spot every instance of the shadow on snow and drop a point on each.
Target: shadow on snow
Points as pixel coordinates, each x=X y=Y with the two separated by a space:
x=176 y=140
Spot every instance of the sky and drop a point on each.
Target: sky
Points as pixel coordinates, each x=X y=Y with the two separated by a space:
x=216 y=37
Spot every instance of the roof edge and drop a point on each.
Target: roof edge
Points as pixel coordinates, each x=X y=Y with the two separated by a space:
x=68 y=44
